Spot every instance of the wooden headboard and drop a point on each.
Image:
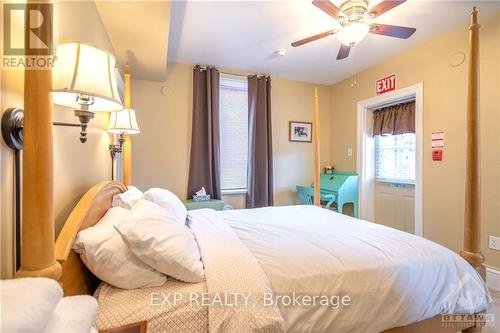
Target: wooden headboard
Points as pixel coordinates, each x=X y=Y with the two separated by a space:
x=76 y=279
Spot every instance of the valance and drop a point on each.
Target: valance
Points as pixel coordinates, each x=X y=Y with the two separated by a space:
x=394 y=119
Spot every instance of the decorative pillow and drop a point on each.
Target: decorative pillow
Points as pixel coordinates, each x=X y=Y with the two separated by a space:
x=128 y=198
x=168 y=201
x=105 y=253
x=157 y=239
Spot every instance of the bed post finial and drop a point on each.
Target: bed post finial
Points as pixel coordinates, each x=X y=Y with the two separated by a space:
x=127 y=145
x=472 y=224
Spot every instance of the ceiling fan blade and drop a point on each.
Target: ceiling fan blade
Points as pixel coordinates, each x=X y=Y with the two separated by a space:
x=313 y=38
x=384 y=6
x=328 y=8
x=392 y=30
x=343 y=52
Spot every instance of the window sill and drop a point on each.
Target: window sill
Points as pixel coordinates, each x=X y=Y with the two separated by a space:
x=234 y=191
x=395 y=181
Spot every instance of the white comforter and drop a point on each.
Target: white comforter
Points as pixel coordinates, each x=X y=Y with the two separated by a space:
x=356 y=276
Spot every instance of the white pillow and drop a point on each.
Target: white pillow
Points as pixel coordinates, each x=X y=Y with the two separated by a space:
x=113 y=216
x=168 y=201
x=105 y=253
x=162 y=243
x=128 y=198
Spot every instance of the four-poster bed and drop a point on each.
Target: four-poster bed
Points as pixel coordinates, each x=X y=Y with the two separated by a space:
x=40 y=257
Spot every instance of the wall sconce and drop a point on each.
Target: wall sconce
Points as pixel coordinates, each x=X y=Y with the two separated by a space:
x=121 y=123
x=84 y=79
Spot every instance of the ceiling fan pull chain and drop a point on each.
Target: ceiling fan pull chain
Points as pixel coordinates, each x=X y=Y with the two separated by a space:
x=354 y=82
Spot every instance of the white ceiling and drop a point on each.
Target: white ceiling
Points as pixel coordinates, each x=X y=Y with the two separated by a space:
x=244 y=35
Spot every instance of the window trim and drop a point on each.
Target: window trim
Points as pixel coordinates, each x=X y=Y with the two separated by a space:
x=233 y=191
x=396 y=181
x=364 y=144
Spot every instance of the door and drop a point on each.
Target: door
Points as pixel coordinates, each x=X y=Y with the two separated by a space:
x=394 y=180
x=395 y=206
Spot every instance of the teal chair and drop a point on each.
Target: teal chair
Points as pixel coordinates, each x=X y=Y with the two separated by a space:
x=306 y=195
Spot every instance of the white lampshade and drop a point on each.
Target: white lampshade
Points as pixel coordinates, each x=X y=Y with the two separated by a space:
x=353 y=33
x=123 y=122
x=81 y=69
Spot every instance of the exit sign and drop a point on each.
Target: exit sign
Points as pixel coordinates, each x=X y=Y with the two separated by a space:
x=386 y=84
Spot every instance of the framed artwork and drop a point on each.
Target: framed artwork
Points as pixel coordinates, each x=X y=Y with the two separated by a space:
x=300 y=131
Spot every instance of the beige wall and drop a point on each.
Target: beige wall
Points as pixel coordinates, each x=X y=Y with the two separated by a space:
x=294 y=161
x=76 y=166
x=164 y=112
x=161 y=150
x=11 y=96
x=445 y=89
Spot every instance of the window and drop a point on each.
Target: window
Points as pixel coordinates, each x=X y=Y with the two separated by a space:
x=233 y=107
x=395 y=158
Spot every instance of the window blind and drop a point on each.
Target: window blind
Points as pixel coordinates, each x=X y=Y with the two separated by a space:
x=233 y=108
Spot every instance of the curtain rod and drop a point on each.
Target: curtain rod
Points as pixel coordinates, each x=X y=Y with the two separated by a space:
x=204 y=67
x=243 y=75
x=399 y=101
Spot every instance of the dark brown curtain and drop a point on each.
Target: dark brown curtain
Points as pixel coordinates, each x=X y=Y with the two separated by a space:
x=394 y=119
x=260 y=147
x=204 y=167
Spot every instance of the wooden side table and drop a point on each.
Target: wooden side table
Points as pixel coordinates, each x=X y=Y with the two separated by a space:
x=140 y=327
x=212 y=203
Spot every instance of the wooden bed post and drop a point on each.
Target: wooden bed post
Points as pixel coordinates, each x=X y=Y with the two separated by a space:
x=37 y=248
x=472 y=225
x=317 y=200
x=127 y=145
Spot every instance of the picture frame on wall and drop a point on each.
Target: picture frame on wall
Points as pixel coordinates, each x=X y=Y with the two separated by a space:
x=300 y=131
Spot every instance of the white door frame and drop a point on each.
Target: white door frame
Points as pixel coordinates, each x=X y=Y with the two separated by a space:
x=365 y=164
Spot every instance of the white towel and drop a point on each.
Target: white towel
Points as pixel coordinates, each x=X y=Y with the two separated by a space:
x=27 y=303
x=75 y=314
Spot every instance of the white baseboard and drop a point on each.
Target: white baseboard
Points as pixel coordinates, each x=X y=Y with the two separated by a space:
x=493 y=278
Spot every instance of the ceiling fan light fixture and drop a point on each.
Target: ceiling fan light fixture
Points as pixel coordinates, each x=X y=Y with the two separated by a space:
x=353 y=33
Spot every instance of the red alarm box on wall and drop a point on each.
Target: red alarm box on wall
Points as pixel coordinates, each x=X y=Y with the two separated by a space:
x=437 y=154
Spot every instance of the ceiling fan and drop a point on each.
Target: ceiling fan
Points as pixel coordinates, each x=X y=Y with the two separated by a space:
x=354 y=17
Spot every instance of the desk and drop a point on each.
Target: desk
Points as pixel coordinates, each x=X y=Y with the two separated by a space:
x=345 y=187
